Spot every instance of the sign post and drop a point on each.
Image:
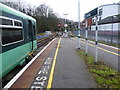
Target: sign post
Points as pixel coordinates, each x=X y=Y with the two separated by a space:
x=86 y=37
x=91 y=14
x=96 y=41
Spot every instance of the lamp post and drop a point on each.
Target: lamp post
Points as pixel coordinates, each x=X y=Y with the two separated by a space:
x=78 y=24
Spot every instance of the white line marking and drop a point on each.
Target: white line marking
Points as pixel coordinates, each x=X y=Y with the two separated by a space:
x=109 y=46
x=104 y=45
x=22 y=71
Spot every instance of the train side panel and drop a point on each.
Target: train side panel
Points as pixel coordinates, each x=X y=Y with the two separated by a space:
x=13 y=57
x=17 y=39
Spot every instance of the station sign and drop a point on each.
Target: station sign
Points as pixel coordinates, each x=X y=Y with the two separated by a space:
x=91 y=13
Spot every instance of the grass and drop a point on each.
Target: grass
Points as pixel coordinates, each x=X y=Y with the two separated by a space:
x=105 y=76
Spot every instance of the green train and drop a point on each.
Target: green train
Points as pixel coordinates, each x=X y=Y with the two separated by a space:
x=17 y=38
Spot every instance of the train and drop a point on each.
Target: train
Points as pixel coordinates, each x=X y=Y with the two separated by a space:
x=17 y=38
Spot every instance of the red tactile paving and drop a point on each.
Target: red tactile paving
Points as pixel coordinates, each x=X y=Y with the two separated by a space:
x=28 y=76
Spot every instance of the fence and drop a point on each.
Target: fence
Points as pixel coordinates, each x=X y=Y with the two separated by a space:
x=107 y=36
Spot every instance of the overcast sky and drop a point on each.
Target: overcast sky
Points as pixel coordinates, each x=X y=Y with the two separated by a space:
x=71 y=6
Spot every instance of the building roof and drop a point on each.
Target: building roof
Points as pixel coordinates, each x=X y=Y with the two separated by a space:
x=110 y=4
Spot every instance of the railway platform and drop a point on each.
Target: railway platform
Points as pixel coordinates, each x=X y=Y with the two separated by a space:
x=58 y=66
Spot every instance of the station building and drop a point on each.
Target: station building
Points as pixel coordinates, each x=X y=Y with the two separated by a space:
x=108 y=23
x=108 y=17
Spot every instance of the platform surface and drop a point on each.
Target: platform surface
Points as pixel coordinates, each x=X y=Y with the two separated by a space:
x=69 y=71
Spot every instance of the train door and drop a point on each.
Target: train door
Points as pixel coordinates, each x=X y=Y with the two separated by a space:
x=30 y=30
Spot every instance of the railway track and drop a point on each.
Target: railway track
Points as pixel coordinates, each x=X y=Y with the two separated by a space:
x=41 y=43
x=45 y=40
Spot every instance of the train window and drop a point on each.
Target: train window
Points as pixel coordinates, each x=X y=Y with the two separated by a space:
x=10 y=35
x=16 y=23
x=6 y=21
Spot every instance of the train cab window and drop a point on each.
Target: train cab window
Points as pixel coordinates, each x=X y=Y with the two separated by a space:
x=11 y=34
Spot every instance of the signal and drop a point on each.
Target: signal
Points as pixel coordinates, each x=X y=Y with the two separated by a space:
x=59 y=25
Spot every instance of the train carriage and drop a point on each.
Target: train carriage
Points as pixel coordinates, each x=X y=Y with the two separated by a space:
x=17 y=38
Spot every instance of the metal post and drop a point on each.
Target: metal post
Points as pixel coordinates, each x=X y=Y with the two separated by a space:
x=96 y=41
x=112 y=31
x=65 y=26
x=65 y=22
x=79 y=24
x=47 y=13
x=86 y=37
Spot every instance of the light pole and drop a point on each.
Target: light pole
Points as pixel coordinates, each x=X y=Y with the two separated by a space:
x=78 y=24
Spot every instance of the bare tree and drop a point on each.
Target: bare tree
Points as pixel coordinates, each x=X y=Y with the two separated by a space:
x=44 y=15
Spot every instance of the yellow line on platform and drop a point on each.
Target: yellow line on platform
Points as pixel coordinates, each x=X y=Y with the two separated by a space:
x=53 y=67
x=103 y=49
